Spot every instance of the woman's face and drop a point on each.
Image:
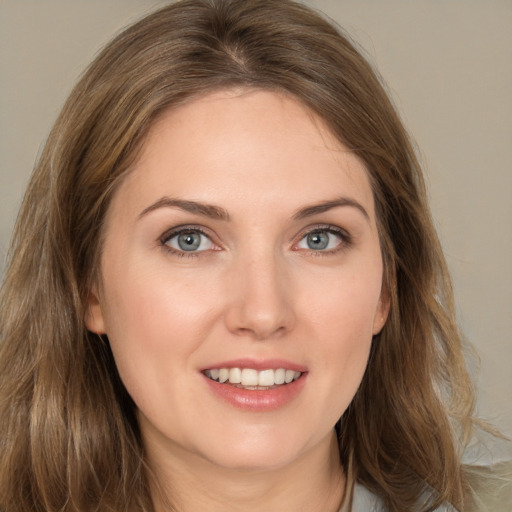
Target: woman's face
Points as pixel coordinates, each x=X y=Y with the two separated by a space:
x=242 y=246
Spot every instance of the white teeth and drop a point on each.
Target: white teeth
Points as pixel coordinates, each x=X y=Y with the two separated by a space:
x=266 y=378
x=253 y=379
x=249 y=377
x=235 y=376
x=279 y=376
x=288 y=377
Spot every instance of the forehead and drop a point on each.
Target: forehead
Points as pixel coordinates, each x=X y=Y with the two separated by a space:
x=243 y=146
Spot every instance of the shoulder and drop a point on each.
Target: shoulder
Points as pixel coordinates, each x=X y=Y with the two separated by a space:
x=365 y=501
x=487 y=463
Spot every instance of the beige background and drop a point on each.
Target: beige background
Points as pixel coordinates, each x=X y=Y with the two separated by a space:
x=448 y=65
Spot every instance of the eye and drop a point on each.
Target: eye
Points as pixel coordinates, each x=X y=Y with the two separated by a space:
x=188 y=240
x=323 y=239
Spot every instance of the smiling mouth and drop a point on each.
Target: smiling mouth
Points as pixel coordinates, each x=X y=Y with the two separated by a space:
x=248 y=378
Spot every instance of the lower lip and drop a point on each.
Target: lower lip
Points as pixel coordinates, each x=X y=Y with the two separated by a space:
x=258 y=400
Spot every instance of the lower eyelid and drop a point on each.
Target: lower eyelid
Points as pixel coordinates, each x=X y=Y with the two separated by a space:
x=343 y=236
x=169 y=235
x=199 y=249
x=345 y=240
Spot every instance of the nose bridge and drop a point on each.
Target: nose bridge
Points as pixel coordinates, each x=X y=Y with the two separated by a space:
x=262 y=302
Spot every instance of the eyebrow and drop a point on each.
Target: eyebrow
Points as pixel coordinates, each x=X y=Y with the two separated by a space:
x=216 y=212
x=324 y=206
x=206 y=210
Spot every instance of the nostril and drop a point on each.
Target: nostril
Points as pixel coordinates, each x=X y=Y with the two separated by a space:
x=261 y=304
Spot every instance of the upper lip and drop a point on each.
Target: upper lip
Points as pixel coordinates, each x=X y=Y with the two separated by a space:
x=258 y=364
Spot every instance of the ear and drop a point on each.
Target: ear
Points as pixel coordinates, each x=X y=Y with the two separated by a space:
x=382 y=311
x=94 y=319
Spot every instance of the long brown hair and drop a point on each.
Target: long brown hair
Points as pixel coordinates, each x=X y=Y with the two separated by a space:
x=69 y=439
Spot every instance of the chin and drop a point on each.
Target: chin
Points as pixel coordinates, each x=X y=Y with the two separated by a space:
x=254 y=461
x=258 y=452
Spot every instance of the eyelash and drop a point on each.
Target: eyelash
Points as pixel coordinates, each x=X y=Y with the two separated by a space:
x=169 y=235
x=344 y=236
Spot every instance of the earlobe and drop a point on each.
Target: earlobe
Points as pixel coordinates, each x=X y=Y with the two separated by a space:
x=382 y=312
x=94 y=320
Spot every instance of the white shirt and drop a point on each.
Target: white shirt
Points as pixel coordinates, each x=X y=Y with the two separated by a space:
x=365 y=501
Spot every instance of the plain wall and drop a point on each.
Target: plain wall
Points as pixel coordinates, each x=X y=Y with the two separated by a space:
x=448 y=65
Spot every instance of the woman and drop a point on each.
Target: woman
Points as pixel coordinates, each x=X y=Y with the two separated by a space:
x=225 y=290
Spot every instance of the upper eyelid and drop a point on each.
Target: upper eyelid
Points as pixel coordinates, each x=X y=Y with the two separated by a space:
x=164 y=239
x=176 y=230
x=322 y=227
x=346 y=239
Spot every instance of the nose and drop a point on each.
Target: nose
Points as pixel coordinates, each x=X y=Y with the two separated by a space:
x=261 y=304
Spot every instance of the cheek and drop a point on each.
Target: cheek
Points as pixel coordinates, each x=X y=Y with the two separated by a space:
x=343 y=318
x=150 y=303
x=346 y=304
x=154 y=322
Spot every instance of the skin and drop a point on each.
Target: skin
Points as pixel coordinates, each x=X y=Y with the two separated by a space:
x=255 y=289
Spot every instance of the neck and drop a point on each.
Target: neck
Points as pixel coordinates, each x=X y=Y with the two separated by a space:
x=313 y=482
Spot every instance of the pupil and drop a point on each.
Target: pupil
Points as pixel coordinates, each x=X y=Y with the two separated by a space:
x=318 y=240
x=189 y=241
